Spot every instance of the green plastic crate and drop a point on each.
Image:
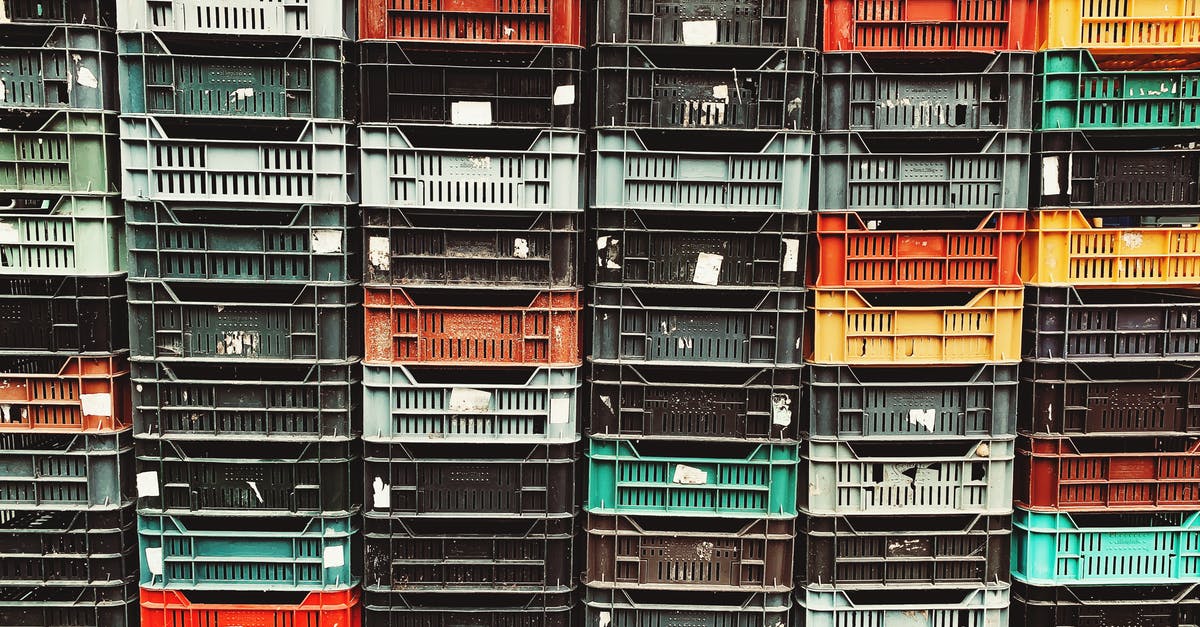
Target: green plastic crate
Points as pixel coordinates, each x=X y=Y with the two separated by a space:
x=58 y=152
x=58 y=67
x=60 y=235
x=1073 y=93
x=929 y=607
x=756 y=480
x=66 y=471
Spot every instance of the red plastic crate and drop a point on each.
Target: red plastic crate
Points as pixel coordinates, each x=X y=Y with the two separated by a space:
x=474 y=21
x=1107 y=474
x=65 y=394
x=170 y=608
x=930 y=25
x=518 y=328
x=854 y=254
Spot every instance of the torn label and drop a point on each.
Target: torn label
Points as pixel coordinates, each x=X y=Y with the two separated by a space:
x=564 y=95
x=708 y=269
x=468 y=400
x=781 y=409
x=520 y=248
x=791 y=255
x=326 y=241
x=85 y=78
x=471 y=113
x=147 y=483
x=241 y=94
x=380 y=494
x=254 y=486
x=9 y=233
x=687 y=475
x=379 y=253
x=98 y=404
x=923 y=418
x=1050 y=173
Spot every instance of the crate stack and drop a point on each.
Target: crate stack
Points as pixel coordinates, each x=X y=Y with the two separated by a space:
x=906 y=466
x=472 y=195
x=238 y=180
x=67 y=528
x=699 y=206
x=1108 y=461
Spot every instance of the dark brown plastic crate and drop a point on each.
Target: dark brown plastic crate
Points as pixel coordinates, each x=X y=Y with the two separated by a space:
x=1116 y=170
x=64 y=314
x=1101 y=606
x=708 y=23
x=109 y=603
x=395 y=608
x=57 y=549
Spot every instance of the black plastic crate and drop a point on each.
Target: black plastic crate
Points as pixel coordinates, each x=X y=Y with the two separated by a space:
x=639 y=608
x=687 y=403
x=471 y=249
x=506 y=85
x=853 y=403
x=706 y=23
x=64 y=549
x=469 y=481
x=44 y=471
x=392 y=608
x=730 y=251
x=1116 y=170
x=1088 y=606
x=680 y=88
x=61 y=12
x=71 y=314
x=246 y=401
x=114 y=605
x=1064 y=323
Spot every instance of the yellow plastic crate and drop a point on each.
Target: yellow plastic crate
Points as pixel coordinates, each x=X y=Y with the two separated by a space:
x=1062 y=247
x=850 y=330
x=1126 y=27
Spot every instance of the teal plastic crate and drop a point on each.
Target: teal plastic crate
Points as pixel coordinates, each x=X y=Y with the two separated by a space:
x=931 y=607
x=637 y=477
x=66 y=471
x=1055 y=549
x=656 y=608
x=59 y=235
x=313 y=18
x=510 y=405
x=291 y=77
x=59 y=152
x=58 y=67
x=1073 y=93
x=218 y=553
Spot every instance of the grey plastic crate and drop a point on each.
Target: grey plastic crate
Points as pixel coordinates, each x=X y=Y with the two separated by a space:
x=481 y=168
x=58 y=67
x=60 y=12
x=66 y=471
x=62 y=235
x=314 y=18
x=849 y=403
x=867 y=92
x=672 y=327
x=511 y=406
x=677 y=170
x=933 y=607
x=212 y=160
x=890 y=477
x=640 y=608
x=770 y=23
x=874 y=172
x=58 y=152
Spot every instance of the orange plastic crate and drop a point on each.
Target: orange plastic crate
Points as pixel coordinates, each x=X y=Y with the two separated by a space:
x=74 y=394
x=930 y=25
x=412 y=327
x=170 y=608
x=472 y=21
x=854 y=255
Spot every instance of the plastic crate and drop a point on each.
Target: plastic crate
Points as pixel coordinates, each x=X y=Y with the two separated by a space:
x=691 y=404
x=57 y=314
x=648 y=553
x=110 y=606
x=1064 y=323
x=873 y=92
x=66 y=551
x=58 y=67
x=62 y=235
x=1110 y=399
x=530 y=86
x=395 y=608
x=906 y=328
x=976 y=251
x=849 y=403
x=218 y=553
x=677 y=327
x=174 y=608
x=874 y=172
x=239 y=479
x=520 y=328
x=196 y=159
x=471 y=249
x=1163 y=29
x=473 y=21
x=889 y=478
x=58 y=152
x=930 y=607
x=915 y=552
x=762 y=89
x=224 y=322
x=306 y=243
x=930 y=25
x=226 y=18
x=290 y=77
x=465 y=168
x=1116 y=170
x=249 y=401
x=60 y=12
x=55 y=393
x=469 y=481
x=768 y=23
x=469 y=556
x=682 y=479
x=44 y=471
x=728 y=251
x=1051 y=548
x=1078 y=606
x=635 y=608
x=511 y=406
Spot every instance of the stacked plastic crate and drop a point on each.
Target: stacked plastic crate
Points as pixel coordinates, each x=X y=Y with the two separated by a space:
x=699 y=215
x=472 y=195
x=239 y=192
x=67 y=530
x=1108 y=467
x=906 y=468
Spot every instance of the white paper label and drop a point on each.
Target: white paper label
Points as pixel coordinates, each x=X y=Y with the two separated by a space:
x=520 y=248
x=687 y=475
x=326 y=241
x=560 y=411
x=721 y=92
x=380 y=494
x=154 y=561
x=241 y=94
x=379 y=253
x=781 y=409
x=699 y=32
x=333 y=557
x=9 y=233
x=608 y=253
x=923 y=418
x=708 y=269
x=147 y=483
x=470 y=401
x=85 y=78
x=471 y=113
x=3 y=94
x=99 y=404
x=254 y=487
x=605 y=619
x=791 y=255
x=240 y=343
x=1050 y=173
x=564 y=95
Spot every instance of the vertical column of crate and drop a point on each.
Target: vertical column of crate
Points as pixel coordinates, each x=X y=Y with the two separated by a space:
x=67 y=528
x=906 y=465
x=238 y=181
x=698 y=241
x=472 y=195
x=1108 y=472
